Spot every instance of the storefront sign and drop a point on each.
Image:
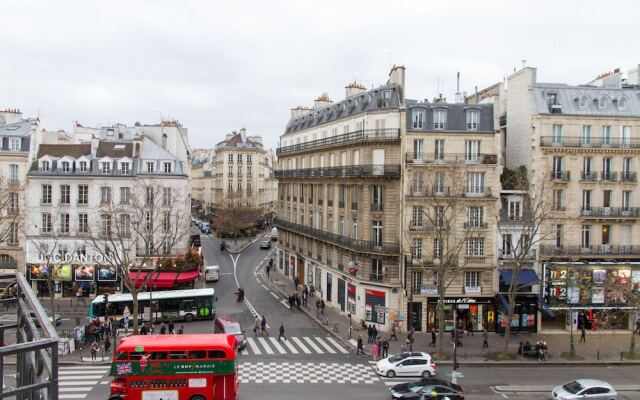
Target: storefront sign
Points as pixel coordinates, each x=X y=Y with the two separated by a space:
x=473 y=290
x=73 y=258
x=463 y=300
x=429 y=290
x=375 y=306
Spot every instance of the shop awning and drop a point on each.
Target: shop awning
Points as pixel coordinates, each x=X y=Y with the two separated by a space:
x=504 y=301
x=164 y=280
x=544 y=307
x=525 y=277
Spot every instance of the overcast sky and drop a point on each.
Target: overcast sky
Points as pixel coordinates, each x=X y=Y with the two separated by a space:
x=217 y=66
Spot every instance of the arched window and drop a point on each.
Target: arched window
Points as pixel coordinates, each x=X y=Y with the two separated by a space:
x=623 y=103
x=603 y=102
x=584 y=103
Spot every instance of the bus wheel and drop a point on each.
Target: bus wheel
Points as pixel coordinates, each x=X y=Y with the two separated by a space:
x=197 y=397
x=189 y=318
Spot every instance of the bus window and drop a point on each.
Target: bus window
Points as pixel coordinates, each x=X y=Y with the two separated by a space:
x=197 y=355
x=159 y=355
x=136 y=356
x=217 y=354
x=177 y=355
x=187 y=305
x=122 y=355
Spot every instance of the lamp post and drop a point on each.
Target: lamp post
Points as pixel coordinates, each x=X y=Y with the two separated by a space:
x=349 y=326
x=454 y=374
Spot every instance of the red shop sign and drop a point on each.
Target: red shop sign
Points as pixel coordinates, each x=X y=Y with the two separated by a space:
x=375 y=293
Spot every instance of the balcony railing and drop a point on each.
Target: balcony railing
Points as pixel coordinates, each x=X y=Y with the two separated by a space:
x=445 y=191
x=419 y=226
x=476 y=225
x=561 y=175
x=588 y=176
x=628 y=177
x=367 y=135
x=377 y=207
x=475 y=259
x=610 y=212
x=376 y=277
x=391 y=248
x=349 y=171
x=577 y=141
x=450 y=158
x=608 y=176
x=599 y=250
x=504 y=254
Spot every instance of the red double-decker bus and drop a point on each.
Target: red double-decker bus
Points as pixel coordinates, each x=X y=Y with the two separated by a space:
x=175 y=367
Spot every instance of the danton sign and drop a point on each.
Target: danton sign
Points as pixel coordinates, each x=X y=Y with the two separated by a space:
x=74 y=258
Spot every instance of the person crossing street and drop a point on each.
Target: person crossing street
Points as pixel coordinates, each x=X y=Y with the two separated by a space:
x=281 y=333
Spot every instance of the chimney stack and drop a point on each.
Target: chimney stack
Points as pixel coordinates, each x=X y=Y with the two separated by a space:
x=458 y=98
x=396 y=76
x=299 y=111
x=322 y=101
x=10 y=116
x=353 y=89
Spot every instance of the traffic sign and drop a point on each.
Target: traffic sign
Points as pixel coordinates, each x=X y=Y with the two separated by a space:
x=126 y=312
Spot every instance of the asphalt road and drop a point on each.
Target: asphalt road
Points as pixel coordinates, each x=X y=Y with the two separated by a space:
x=313 y=366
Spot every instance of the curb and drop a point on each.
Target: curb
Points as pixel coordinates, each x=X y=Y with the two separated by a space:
x=249 y=243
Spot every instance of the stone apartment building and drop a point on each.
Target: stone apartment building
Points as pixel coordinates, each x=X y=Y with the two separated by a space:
x=583 y=141
x=237 y=173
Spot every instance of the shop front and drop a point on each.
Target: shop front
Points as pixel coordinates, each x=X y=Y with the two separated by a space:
x=91 y=279
x=375 y=306
x=593 y=295
x=165 y=279
x=470 y=312
x=525 y=314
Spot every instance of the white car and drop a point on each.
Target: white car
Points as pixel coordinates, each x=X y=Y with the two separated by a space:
x=585 y=389
x=406 y=364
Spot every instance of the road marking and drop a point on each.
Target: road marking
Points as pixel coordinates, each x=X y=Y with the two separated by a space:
x=253 y=346
x=276 y=344
x=82 y=376
x=76 y=383
x=72 y=396
x=104 y=382
x=256 y=268
x=76 y=389
x=290 y=347
x=265 y=288
x=313 y=345
x=301 y=345
x=493 y=389
x=326 y=346
x=336 y=344
x=284 y=302
x=265 y=345
x=255 y=274
x=244 y=352
x=276 y=296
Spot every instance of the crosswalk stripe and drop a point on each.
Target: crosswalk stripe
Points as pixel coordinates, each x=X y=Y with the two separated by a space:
x=301 y=345
x=290 y=347
x=77 y=383
x=276 y=344
x=313 y=345
x=76 y=389
x=337 y=345
x=253 y=346
x=265 y=345
x=326 y=346
x=72 y=396
x=90 y=372
x=244 y=352
x=85 y=368
x=75 y=378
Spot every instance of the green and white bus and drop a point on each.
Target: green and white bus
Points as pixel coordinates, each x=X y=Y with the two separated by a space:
x=186 y=305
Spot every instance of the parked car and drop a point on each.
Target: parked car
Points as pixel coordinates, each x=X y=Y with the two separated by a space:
x=230 y=325
x=205 y=228
x=415 y=389
x=265 y=244
x=585 y=389
x=407 y=364
x=57 y=322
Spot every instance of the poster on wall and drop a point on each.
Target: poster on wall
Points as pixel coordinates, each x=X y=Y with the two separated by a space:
x=62 y=272
x=84 y=273
x=38 y=272
x=105 y=274
x=599 y=277
x=597 y=295
x=635 y=280
x=573 y=294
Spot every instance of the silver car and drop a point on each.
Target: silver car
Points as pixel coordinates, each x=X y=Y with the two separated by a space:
x=585 y=389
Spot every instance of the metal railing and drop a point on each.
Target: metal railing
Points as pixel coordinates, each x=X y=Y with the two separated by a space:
x=598 y=250
x=368 y=246
x=367 y=135
x=561 y=175
x=628 y=177
x=445 y=191
x=599 y=142
x=450 y=158
x=36 y=349
x=610 y=212
x=588 y=176
x=348 y=171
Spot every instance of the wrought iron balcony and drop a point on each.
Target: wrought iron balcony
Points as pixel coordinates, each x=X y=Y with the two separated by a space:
x=610 y=212
x=561 y=175
x=362 y=136
x=376 y=277
x=476 y=225
x=450 y=158
x=377 y=207
x=349 y=171
x=608 y=176
x=366 y=246
x=419 y=226
x=599 y=250
x=577 y=141
x=628 y=177
x=588 y=176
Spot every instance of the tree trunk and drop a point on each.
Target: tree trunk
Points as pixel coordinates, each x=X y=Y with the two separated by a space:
x=440 y=315
x=134 y=312
x=52 y=295
x=632 y=344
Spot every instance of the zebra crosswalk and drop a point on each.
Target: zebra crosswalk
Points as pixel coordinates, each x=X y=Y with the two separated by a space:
x=293 y=345
x=75 y=382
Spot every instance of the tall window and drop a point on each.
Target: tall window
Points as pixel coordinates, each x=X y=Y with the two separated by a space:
x=46 y=223
x=341 y=225
x=166 y=221
x=556 y=134
x=14 y=144
x=65 y=194
x=418 y=118
x=83 y=166
x=83 y=194
x=416 y=249
x=439 y=182
x=438 y=149
x=626 y=200
x=341 y=195
x=416 y=281
x=625 y=136
x=83 y=223
x=354 y=228
x=239 y=185
x=437 y=248
x=13 y=172
x=46 y=194
x=558 y=200
x=475 y=246
x=586 y=199
x=66 y=166
x=607 y=174
x=506 y=244
x=12 y=238
x=586 y=236
x=248 y=169
x=125 y=225
x=475 y=216
x=473 y=120
x=606 y=134
x=417 y=182
x=377 y=201
x=249 y=159
x=150 y=166
x=416 y=217
x=239 y=158
x=124 y=168
x=248 y=186
x=14 y=203
x=515 y=210
x=559 y=236
x=418 y=149
x=472 y=279
x=586 y=135
x=125 y=195
x=606 y=231
x=105 y=167
x=475 y=182
x=45 y=166
x=606 y=198
x=627 y=169
x=439 y=119
x=105 y=224
x=64 y=223
x=166 y=196
x=472 y=150
x=377 y=268
x=330 y=223
x=230 y=158
x=105 y=195
x=149 y=195
x=438 y=212
x=167 y=167
x=148 y=220
x=377 y=233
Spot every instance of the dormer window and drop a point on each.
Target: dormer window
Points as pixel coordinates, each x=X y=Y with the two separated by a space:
x=167 y=167
x=124 y=168
x=83 y=166
x=623 y=103
x=584 y=103
x=473 y=119
x=439 y=119
x=105 y=167
x=45 y=166
x=384 y=99
x=66 y=166
x=418 y=119
x=14 y=144
x=603 y=102
x=150 y=166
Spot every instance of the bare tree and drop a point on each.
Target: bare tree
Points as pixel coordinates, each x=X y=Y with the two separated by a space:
x=444 y=212
x=530 y=226
x=235 y=216
x=140 y=232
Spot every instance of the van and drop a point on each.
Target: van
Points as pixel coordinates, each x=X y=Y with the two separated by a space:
x=230 y=326
x=274 y=234
x=212 y=273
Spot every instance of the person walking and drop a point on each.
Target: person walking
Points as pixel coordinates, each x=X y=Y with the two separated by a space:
x=470 y=327
x=143 y=330
x=374 y=351
x=583 y=332
x=433 y=338
x=375 y=333
x=637 y=326
x=296 y=297
x=181 y=330
x=360 y=348
x=485 y=338
x=171 y=327
x=305 y=296
x=281 y=335
x=107 y=345
x=321 y=306
x=318 y=308
x=163 y=329
x=256 y=326
x=369 y=333
x=94 y=350
x=394 y=332
x=125 y=322
x=263 y=326
x=385 y=348
x=291 y=302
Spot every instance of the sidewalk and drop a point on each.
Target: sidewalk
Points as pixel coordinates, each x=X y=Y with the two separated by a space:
x=600 y=347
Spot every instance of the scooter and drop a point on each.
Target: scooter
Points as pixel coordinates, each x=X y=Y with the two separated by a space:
x=239 y=295
x=223 y=246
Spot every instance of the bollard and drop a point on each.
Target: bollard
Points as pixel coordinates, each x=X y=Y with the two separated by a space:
x=598 y=355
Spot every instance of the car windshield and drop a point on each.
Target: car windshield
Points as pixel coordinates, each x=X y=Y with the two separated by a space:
x=398 y=357
x=573 y=387
x=234 y=329
x=415 y=386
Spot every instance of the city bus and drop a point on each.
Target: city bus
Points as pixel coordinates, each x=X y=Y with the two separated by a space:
x=186 y=305
x=160 y=367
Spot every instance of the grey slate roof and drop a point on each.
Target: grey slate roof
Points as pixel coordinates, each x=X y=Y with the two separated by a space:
x=568 y=97
x=456 y=117
x=366 y=101
x=22 y=128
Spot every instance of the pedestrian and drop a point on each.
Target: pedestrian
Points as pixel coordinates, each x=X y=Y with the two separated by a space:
x=485 y=338
x=360 y=348
x=296 y=282
x=256 y=326
x=114 y=327
x=374 y=351
x=296 y=297
x=375 y=333
x=583 y=332
x=370 y=333
x=385 y=348
x=263 y=326
x=107 y=327
x=181 y=330
x=291 y=301
x=470 y=327
x=78 y=295
x=410 y=339
x=305 y=296
x=94 y=350
x=637 y=326
x=394 y=332
x=125 y=322
x=107 y=345
x=171 y=327
x=318 y=308
x=281 y=335
x=322 y=306
x=268 y=270
x=433 y=338
x=144 y=330
x=163 y=329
